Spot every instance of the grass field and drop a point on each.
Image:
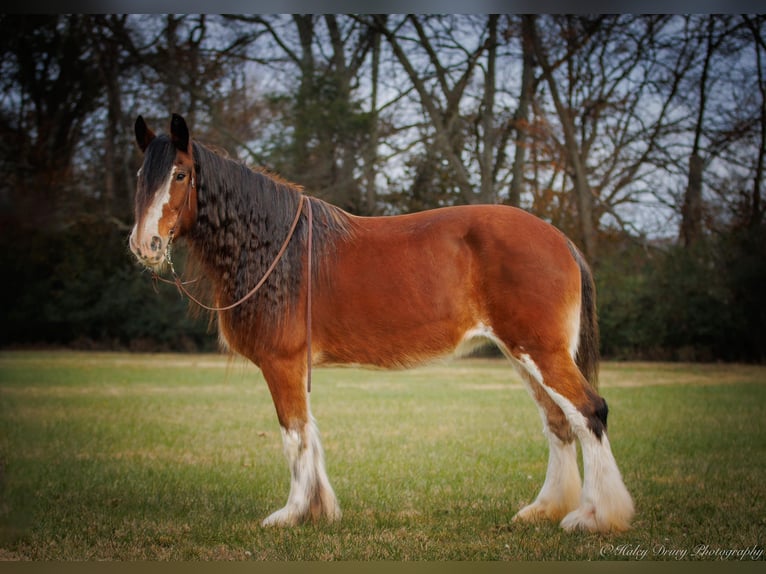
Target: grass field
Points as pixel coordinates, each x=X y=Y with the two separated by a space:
x=178 y=457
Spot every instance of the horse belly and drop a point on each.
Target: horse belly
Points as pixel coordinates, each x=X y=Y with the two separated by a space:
x=398 y=308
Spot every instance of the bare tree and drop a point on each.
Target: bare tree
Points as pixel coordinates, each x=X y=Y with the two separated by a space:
x=756 y=213
x=371 y=149
x=328 y=125
x=756 y=216
x=614 y=85
x=110 y=37
x=574 y=154
x=53 y=88
x=691 y=211
x=441 y=57
x=729 y=114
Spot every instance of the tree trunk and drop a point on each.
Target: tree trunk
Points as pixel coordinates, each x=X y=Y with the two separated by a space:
x=756 y=210
x=108 y=63
x=521 y=117
x=691 y=211
x=583 y=196
x=486 y=157
x=305 y=25
x=345 y=185
x=371 y=151
x=171 y=37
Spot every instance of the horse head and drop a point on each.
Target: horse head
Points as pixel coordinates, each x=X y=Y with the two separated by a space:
x=166 y=195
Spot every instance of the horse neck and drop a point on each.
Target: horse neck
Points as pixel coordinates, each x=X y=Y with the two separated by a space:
x=242 y=218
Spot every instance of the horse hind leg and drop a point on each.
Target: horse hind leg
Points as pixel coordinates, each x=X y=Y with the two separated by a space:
x=605 y=504
x=561 y=490
x=311 y=495
x=562 y=487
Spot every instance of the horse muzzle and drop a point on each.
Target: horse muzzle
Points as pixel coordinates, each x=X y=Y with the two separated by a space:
x=150 y=251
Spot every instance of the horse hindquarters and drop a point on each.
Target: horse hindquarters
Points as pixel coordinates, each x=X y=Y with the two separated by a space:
x=542 y=311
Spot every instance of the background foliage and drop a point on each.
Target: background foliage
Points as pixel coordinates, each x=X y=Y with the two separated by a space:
x=641 y=137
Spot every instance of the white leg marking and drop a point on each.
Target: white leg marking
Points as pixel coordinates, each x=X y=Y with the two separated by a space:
x=605 y=503
x=562 y=487
x=310 y=490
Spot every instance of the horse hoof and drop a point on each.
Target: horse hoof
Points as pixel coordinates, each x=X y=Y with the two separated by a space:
x=538 y=511
x=282 y=517
x=531 y=513
x=584 y=518
x=588 y=519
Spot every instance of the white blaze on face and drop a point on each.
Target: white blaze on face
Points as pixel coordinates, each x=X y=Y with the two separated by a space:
x=143 y=238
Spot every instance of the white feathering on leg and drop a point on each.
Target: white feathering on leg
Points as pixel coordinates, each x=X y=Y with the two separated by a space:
x=308 y=479
x=605 y=503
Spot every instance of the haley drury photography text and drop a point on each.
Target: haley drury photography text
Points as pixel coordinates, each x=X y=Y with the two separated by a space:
x=698 y=552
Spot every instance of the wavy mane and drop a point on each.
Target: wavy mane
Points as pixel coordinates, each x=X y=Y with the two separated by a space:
x=243 y=217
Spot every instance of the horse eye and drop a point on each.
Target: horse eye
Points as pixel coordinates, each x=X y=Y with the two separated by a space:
x=180 y=176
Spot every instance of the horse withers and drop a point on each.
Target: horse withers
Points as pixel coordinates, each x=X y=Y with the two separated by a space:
x=388 y=292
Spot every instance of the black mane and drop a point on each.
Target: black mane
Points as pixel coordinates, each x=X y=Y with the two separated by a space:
x=243 y=218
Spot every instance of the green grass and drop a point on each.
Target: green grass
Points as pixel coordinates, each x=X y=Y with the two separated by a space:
x=178 y=457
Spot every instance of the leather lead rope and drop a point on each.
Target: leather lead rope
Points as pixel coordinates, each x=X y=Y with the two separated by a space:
x=309 y=257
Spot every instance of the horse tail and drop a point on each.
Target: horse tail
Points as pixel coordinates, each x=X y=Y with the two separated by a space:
x=587 y=356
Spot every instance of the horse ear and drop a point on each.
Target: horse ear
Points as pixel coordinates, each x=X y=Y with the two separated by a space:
x=144 y=135
x=179 y=133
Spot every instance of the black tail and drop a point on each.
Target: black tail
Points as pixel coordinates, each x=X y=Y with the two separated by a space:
x=588 y=355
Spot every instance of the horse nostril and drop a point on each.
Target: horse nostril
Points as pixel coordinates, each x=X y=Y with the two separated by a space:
x=156 y=244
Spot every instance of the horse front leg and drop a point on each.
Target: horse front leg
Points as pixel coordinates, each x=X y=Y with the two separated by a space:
x=311 y=496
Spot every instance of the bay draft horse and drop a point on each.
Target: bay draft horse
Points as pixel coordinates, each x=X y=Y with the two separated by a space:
x=387 y=292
